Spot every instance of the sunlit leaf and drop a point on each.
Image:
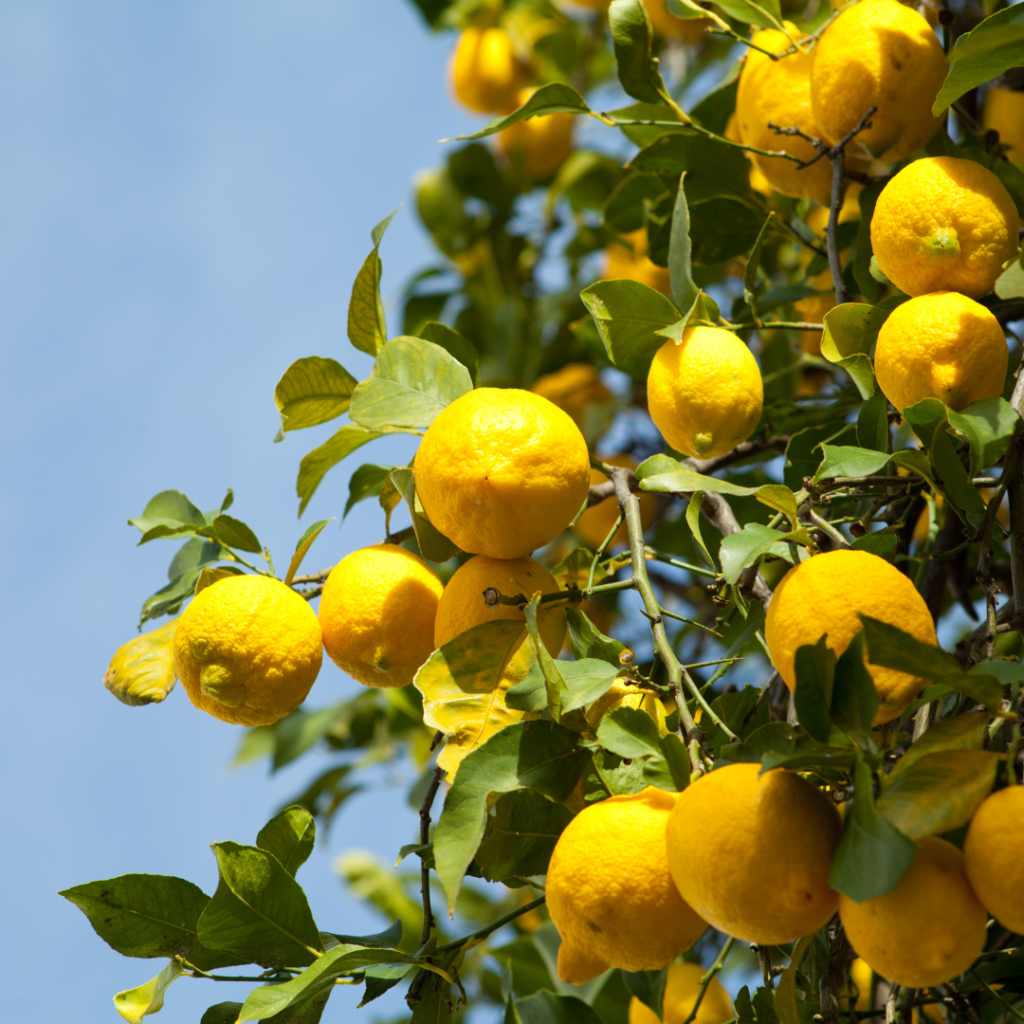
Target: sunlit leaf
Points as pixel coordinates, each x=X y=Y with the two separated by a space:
x=168 y=514
x=289 y=836
x=136 y=1003
x=316 y=464
x=142 y=670
x=302 y=547
x=312 y=390
x=553 y=98
x=628 y=314
x=367 y=329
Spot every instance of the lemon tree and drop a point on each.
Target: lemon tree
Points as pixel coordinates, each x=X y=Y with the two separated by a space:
x=694 y=625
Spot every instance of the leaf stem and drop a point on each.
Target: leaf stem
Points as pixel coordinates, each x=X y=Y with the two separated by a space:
x=500 y=923
x=706 y=980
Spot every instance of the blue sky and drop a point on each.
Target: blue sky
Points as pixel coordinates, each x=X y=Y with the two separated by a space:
x=187 y=194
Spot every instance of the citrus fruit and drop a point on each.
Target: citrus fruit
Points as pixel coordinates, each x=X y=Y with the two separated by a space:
x=734 y=828
x=595 y=524
x=1004 y=113
x=666 y=24
x=823 y=595
x=247 y=650
x=994 y=856
x=622 y=695
x=928 y=929
x=779 y=91
x=628 y=259
x=609 y=891
x=943 y=345
x=462 y=604
x=863 y=979
x=944 y=224
x=485 y=72
x=705 y=393
x=881 y=54
x=682 y=983
x=578 y=390
x=502 y=472
x=540 y=145
x=377 y=613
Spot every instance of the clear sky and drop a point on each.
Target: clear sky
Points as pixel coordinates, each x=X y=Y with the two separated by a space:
x=186 y=194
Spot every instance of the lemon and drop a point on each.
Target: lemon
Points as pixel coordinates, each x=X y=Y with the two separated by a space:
x=609 y=891
x=863 y=978
x=928 y=929
x=485 y=74
x=779 y=91
x=682 y=983
x=878 y=53
x=595 y=524
x=578 y=390
x=823 y=595
x=247 y=650
x=462 y=604
x=944 y=224
x=628 y=260
x=992 y=856
x=666 y=24
x=943 y=346
x=540 y=145
x=705 y=393
x=1004 y=112
x=622 y=695
x=733 y=829
x=377 y=613
x=502 y=472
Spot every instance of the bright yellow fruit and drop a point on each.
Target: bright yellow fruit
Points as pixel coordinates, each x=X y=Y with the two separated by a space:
x=878 y=53
x=734 y=828
x=823 y=596
x=540 y=145
x=247 y=650
x=928 y=929
x=609 y=891
x=377 y=613
x=681 y=987
x=944 y=224
x=578 y=390
x=994 y=856
x=485 y=73
x=622 y=695
x=943 y=346
x=594 y=525
x=502 y=472
x=779 y=91
x=863 y=978
x=1004 y=112
x=462 y=604
x=631 y=262
x=705 y=394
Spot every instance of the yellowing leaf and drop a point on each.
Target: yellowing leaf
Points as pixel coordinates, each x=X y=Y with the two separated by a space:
x=135 y=1003
x=142 y=670
x=464 y=685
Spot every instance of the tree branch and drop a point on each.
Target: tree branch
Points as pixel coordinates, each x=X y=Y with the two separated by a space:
x=428 y=802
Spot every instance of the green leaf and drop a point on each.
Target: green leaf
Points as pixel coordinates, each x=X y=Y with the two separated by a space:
x=168 y=599
x=411 y=382
x=302 y=548
x=208 y=576
x=136 y=1003
x=142 y=670
x=648 y=987
x=632 y=37
x=554 y=683
x=743 y=549
x=524 y=830
x=854 y=697
x=528 y=755
x=553 y=98
x=951 y=476
x=233 y=533
x=988 y=426
x=722 y=228
x=847 y=461
x=714 y=170
x=785 y=995
x=289 y=836
x=984 y=53
x=764 y=15
x=434 y=545
x=693 y=507
x=629 y=732
x=850 y=332
x=963 y=732
x=815 y=668
x=313 y=390
x=168 y=514
x=873 y=423
x=750 y=271
x=315 y=465
x=308 y=1013
x=586 y=680
x=715 y=109
x=366 y=482
x=259 y=911
x=939 y=792
x=752 y=628
x=194 y=554
x=684 y=291
x=872 y=855
x=628 y=314
x=1010 y=283
x=367 y=329
x=531 y=693
x=455 y=344
x=624 y=208
x=587 y=641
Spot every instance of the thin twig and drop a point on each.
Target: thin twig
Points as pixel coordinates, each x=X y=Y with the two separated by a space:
x=428 y=802
x=764 y=959
x=500 y=923
x=706 y=980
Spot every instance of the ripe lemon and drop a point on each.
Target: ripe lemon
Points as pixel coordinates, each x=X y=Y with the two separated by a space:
x=630 y=261
x=779 y=91
x=485 y=73
x=681 y=987
x=609 y=891
x=882 y=54
x=247 y=650
x=863 y=978
x=622 y=695
x=705 y=393
x=594 y=525
x=944 y=224
x=734 y=828
x=928 y=929
x=992 y=856
x=462 y=604
x=377 y=613
x=502 y=472
x=943 y=346
x=540 y=145
x=823 y=596
x=1004 y=112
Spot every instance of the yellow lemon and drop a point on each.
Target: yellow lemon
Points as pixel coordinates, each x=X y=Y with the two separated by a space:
x=779 y=91
x=622 y=695
x=630 y=261
x=994 y=856
x=863 y=978
x=596 y=523
x=377 y=614
x=1004 y=112
x=485 y=73
x=609 y=891
x=943 y=346
x=881 y=54
x=578 y=390
x=944 y=224
x=823 y=595
x=540 y=145
x=462 y=604
x=732 y=829
x=502 y=472
x=682 y=984
x=928 y=929
x=247 y=650
x=705 y=393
